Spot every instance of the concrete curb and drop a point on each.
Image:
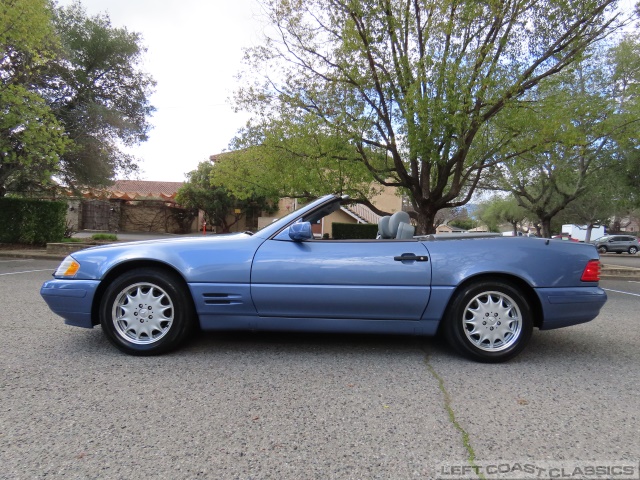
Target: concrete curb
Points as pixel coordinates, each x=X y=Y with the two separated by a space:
x=26 y=254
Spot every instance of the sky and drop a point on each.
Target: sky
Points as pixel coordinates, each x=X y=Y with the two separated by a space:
x=194 y=52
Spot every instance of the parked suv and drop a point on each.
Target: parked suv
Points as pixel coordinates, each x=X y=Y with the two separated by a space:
x=617 y=243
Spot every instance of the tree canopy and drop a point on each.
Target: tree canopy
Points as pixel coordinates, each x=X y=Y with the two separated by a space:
x=31 y=138
x=71 y=94
x=408 y=89
x=220 y=207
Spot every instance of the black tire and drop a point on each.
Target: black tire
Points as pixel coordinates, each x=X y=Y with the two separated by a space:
x=489 y=321
x=160 y=319
x=633 y=250
x=602 y=249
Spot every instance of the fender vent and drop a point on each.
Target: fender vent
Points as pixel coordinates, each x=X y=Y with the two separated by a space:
x=222 y=299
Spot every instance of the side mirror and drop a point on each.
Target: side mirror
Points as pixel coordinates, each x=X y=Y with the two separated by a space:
x=299 y=232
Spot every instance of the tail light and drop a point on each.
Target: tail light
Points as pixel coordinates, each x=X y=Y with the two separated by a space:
x=591 y=272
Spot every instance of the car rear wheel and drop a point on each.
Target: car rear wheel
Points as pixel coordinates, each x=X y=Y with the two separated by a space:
x=489 y=321
x=147 y=311
x=633 y=250
x=602 y=249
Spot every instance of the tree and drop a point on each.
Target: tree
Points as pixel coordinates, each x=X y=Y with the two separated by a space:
x=31 y=139
x=221 y=209
x=567 y=130
x=98 y=92
x=26 y=32
x=71 y=94
x=624 y=61
x=410 y=87
x=600 y=202
x=501 y=210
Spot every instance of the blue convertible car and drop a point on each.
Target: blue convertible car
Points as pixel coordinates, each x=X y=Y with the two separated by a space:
x=484 y=294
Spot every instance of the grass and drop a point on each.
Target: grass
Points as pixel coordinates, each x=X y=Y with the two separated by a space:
x=104 y=236
x=97 y=236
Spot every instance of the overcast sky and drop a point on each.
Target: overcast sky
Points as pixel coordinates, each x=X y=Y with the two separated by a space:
x=194 y=53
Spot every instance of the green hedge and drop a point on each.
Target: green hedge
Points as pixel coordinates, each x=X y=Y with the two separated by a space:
x=349 y=231
x=33 y=222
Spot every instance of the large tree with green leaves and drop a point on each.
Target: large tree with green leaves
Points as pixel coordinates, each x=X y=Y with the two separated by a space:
x=499 y=210
x=31 y=139
x=71 y=94
x=624 y=62
x=410 y=86
x=98 y=91
x=220 y=207
x=568 y=130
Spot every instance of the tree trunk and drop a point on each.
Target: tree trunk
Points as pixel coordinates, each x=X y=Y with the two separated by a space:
x=546 y=227
x=426 y=220
x=587 y=237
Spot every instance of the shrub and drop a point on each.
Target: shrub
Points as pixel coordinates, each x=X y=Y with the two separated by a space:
x=33 y=222
x=350 y=231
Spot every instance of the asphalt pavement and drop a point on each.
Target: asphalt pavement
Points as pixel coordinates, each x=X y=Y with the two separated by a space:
x=285 y=406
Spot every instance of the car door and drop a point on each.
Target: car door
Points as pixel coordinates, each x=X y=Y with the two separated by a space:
x=353 y=279
x=618 y=244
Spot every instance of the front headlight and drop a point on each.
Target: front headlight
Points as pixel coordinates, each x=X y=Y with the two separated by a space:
x=68 y=268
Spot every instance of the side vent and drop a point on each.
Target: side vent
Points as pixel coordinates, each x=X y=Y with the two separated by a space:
x=222 y=299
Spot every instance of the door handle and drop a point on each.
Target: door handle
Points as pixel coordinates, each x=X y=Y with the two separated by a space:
x=407 y=257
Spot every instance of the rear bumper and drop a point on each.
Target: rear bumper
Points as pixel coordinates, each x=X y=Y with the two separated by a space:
x=562 y=307
x=71 y=299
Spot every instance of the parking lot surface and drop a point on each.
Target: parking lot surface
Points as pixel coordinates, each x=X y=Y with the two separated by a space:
x=254 y=405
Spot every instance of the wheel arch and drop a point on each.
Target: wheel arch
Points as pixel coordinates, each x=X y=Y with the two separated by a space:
x=526 y=289
x=124 y=267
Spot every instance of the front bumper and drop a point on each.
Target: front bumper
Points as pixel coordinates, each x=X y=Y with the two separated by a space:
x=562 y=307
x=71 y=299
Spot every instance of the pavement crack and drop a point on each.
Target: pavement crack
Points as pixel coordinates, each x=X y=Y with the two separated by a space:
x=466 y=442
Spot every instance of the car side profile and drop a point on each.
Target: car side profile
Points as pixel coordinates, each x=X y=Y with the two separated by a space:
x=484 y=293
x=617 y=244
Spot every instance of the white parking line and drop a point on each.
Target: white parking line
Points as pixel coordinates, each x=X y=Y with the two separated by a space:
x=27 y=271
x=619 y=291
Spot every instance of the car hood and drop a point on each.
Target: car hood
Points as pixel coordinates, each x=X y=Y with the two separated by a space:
x=196 y=258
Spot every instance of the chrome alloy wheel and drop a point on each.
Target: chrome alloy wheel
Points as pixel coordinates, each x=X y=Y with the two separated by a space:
x=492 y=321
x=142 y=313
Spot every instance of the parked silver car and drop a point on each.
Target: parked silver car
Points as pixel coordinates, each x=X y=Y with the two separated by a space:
x=617 y=243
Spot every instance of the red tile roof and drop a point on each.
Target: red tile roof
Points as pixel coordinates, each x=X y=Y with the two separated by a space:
x=145 y=188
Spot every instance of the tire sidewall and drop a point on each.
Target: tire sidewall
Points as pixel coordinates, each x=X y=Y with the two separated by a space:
x=455 y=330
x=182 y=311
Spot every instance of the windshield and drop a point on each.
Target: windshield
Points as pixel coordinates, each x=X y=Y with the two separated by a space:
x=280 y=223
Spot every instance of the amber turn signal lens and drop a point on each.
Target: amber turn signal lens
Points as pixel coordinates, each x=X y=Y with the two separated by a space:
x=68 y=268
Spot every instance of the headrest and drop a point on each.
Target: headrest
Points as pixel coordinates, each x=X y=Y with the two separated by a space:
x=395 y=221
x=383 y=228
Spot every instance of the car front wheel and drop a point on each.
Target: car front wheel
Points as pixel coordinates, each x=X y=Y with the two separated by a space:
x=602 y=249
x=489 y=321
x=146 y=311
x=633 y=250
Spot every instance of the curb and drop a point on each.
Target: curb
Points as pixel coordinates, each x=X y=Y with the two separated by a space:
x=36 y=255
